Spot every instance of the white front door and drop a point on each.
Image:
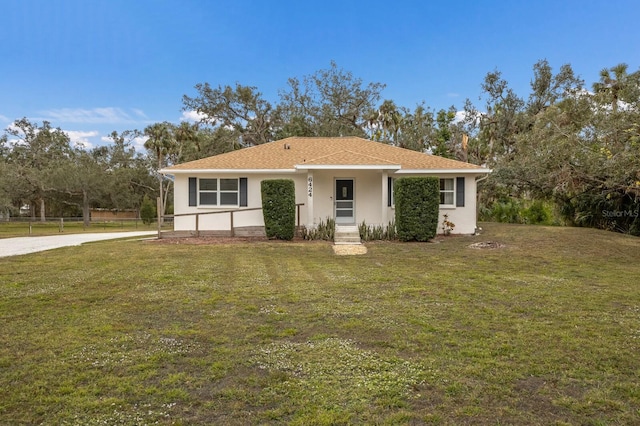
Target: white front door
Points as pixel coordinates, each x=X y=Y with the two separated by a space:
x=345 y=202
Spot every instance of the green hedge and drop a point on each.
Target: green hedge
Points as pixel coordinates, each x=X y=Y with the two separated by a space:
x=147 y=210
x=417 y=201
x=279 y=208
x=517 y=210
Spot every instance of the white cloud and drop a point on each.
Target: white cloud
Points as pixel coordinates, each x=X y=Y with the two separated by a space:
x=12 y=127
x=193 y=116
x=140 y=113
x=109 y=115
x=462 y=115
x=4 y=118
x=453 y=95
x=18 y=138
x=138 y=143
x=80 y=138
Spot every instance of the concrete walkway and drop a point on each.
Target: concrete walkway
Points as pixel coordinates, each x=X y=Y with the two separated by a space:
x=25 y=245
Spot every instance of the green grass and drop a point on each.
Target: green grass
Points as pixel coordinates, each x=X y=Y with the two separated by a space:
x=37 y=228
x=543 y=331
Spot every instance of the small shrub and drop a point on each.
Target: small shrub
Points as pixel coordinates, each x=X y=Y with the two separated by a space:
x=515 y=210
x=537 y=213
x=447 y=225
x=279 y=208
x=507 y=211
x=417 y=207
x=392 y=231
x=324 y=231
x=377 y=232
x=147 y=210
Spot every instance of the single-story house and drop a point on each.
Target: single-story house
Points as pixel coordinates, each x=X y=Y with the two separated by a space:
x=348 y=179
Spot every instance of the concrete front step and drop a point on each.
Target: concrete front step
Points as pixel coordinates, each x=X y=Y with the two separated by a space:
x=347 y=228
x=350 y=243
x=347 y=235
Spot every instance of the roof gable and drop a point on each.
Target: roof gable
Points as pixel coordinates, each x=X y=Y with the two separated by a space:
x=348 y=157
x=291 y=153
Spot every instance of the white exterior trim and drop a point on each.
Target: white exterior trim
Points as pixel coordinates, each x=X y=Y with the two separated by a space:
x=309 y=190
x=299 y=167
x=346 y=167
x=216 y=171
x=384 y=207
x=443 y=171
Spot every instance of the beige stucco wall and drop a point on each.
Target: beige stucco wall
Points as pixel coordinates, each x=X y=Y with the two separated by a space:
x=464 y=218
x=367 y=193
x=221 y=222
x=370 y=200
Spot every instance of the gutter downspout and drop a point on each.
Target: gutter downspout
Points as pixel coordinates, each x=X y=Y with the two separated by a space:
x=478 y=198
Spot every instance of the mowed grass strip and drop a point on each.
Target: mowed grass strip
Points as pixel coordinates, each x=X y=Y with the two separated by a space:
x=543 y=331
x=52 y=227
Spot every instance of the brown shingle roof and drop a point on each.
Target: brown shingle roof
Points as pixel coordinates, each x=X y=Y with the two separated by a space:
x=339 y=151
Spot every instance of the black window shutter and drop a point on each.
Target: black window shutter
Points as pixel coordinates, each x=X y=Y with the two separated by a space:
x=243 y=192
x=193 y=192
x=460 y=192
x=389 y=190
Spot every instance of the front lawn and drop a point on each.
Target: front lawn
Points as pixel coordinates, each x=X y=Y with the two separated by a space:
x=543 y=331
x=55 y=227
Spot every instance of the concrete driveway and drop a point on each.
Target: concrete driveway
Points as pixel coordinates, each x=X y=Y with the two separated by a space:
x=26 y=245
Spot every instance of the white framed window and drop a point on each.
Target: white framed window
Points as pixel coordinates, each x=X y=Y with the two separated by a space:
x=228 y=192
x=208 y=192
x=218 y=192
x=447 y=192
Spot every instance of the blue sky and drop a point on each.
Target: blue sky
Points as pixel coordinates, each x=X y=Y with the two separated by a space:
x=94 y=66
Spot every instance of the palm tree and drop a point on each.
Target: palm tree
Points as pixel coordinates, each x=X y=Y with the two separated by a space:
x=387 y=120
x=161 y=142
x=186 y=137
x=622 y=90
x=611 y=86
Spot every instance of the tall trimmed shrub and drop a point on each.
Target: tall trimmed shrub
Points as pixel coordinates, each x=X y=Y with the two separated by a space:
x=279 y=208
x=417 y=201
x=147 y=210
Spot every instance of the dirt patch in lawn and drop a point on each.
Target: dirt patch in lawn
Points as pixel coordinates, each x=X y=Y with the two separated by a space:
x=207 y=240
x=226 y=240
x=487 y=245
x=349 y=249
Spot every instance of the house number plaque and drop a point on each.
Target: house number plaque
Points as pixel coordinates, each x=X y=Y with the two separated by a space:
x=310 y=186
